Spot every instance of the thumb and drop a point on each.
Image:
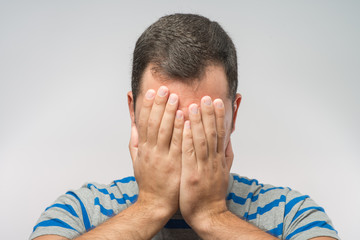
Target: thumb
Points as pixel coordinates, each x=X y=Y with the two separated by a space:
x=134 y=141
x=229 y=156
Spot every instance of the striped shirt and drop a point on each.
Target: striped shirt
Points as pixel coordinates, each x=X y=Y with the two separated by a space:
x=280 y=211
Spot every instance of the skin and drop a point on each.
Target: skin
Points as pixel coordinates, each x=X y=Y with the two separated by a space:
x=181 y=151
x=195 y=109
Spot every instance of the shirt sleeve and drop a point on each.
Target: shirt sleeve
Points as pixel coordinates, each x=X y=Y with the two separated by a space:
x=304 y=219
x=67 y=217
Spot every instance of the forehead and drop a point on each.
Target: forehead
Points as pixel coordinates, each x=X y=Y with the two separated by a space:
x=212 y=83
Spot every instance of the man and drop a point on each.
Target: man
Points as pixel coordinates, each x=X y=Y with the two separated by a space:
x=183 y=108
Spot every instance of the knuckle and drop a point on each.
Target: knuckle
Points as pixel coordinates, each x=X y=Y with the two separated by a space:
x=163 y=131
x=221 y=133
x=160 y=100
x=212 y=133
x=168 y=115
x=147 y=105
x=141 y=152
x=141 y=122
x=170 y=107
x=196 y=120
x=202 y=142
x=155 y=158
x=215 y=167
x=209 y=111
x=194 y=180
x=188 y=134
x=176 y=139
x=169 y=170
x=147 y=102
x=152 y=123
x=189 y=151
x=175 y=142
x=176 y=133
x=178 y=125
x=220 y=114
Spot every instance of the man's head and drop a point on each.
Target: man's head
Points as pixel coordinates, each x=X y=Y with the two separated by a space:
x=190 y=55
x=180 y=47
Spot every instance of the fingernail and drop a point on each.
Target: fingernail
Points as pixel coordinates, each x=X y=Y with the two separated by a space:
x=173 y=98
x=194 y=108
x=207 y=100
x=187 y=124
x=218 y=103
x=150 y=94
x=162 y=91
x=179 y=114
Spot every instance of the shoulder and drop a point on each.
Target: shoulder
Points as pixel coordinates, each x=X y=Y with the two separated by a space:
x=250 y=190
x=105 y=200
x=122 y=191
x=80 y=210
x=253 y=200
x=280 y=211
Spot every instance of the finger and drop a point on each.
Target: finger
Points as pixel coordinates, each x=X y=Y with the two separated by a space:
x=134 y=141
x=156 y=114
x=188 y=152
x=220 y=124
x=144 y=115
x=209 y=123
x=198 y=134
x=167 y=123
x=176 y=140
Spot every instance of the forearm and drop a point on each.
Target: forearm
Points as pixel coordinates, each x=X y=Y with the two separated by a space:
x=136 y=222
x=228 y=226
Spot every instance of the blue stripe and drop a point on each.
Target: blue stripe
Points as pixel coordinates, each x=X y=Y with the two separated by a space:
x=54 y=223
x=66 y=207
x=86 y=220
x=277 y=232
x=177 y=224
x=254 y=198
x=106 y=212
x=266 y=208
x=112 y=196
x=125 y=180
x=125 y=198
x=321 y=224
x=306 y=209
x=237 y=199
x=102 y=190
x=246 y=181
x=270 y=189
x=293 y=202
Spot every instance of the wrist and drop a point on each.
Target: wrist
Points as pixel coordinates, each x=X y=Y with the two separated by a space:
x=203 y=221
x=141 y=220
x=157 y=209
x=208 y=225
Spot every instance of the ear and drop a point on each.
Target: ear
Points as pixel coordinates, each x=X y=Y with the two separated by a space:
x=236 y=106
x=131 y=104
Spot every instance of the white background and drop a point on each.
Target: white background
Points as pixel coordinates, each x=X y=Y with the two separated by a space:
x=65 y=70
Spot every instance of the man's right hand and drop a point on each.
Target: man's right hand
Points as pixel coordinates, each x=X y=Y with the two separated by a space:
x=155 y=148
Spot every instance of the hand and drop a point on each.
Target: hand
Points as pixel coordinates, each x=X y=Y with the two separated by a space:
x=155 y=148
x=205 y=163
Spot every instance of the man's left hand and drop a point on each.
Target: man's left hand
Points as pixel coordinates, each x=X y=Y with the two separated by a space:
x=206 y=159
